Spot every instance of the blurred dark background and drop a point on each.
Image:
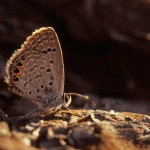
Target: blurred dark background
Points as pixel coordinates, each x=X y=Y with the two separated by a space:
x=105 y=43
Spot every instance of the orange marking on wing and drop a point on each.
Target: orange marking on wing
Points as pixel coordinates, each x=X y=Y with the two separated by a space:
x=21 y=71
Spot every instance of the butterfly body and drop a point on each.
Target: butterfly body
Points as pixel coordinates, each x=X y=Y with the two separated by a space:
x=36 y=70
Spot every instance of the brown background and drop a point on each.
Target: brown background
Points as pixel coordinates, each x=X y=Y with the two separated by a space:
x=106 y=44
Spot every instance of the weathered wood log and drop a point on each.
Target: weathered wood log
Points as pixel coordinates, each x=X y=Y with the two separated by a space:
x=78 y=129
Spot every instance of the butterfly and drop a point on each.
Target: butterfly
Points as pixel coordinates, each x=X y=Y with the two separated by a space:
x=36 y=71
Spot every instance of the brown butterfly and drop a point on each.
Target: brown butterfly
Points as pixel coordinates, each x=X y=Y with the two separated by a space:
x=36 y=71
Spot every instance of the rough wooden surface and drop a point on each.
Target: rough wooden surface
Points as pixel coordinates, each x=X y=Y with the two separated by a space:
x=78 y=129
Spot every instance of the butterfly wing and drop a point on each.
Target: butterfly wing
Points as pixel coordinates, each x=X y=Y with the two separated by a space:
x=36 y=71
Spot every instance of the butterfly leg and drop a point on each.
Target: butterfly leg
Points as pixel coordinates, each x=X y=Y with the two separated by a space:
x=84 y=97
x=67 y=99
